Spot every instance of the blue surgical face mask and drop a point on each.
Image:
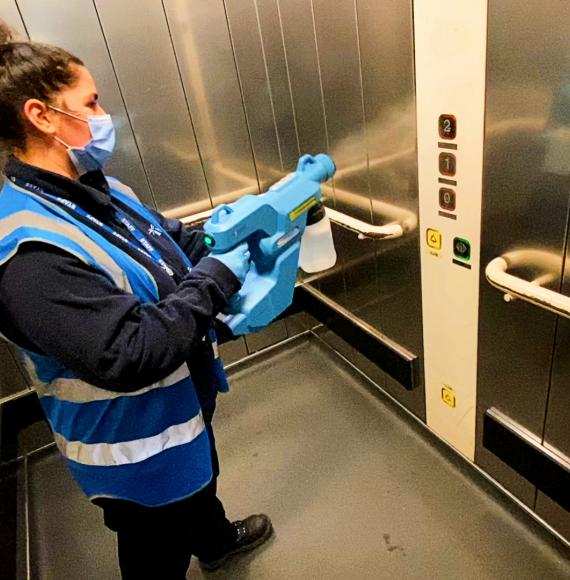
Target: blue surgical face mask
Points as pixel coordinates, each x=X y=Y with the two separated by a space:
x=99 y=150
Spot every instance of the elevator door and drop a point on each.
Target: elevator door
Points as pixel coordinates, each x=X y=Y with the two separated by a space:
x=522 y=368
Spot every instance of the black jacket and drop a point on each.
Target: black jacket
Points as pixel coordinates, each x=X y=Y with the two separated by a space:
x=52 y=303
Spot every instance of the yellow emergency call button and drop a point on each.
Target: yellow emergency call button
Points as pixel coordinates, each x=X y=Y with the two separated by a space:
x=433 y=238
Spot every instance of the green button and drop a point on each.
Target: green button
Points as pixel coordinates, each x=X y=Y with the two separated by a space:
x=462 y=249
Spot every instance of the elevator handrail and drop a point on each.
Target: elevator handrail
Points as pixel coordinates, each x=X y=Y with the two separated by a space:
x=498 y=276
x=362 y=228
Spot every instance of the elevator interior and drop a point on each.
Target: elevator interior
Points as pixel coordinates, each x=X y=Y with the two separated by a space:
x=427 y=109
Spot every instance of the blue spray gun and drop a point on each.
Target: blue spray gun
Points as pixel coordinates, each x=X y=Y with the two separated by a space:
x=272 y=224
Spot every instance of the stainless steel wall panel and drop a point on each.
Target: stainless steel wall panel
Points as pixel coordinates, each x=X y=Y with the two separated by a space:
x=303 y=74
x=274 y=51
x=233 y=351
x=525 y=206
x=339 y=59
x=12 y=377
x=257 y=92
x=554 y=514
x=557 y=424
x=142 y=52
x=299 y=323
x=556 y=434
x=205 y=57
x=338 y=52
x=75 y=27
x=10 y=14
x=386 y=48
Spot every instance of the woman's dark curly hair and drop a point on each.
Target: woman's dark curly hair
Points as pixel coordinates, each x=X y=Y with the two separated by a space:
x=28 y=70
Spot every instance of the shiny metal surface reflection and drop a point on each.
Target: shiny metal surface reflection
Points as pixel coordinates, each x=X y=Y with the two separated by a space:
x=206 y=61
x=252 y=66
x=338 y=51
x=141 y=49
x=526 y=190
x=556 y=434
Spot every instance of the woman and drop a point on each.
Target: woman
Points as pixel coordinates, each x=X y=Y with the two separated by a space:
x=114 y=324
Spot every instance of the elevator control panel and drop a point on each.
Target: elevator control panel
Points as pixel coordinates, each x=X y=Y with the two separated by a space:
x=450 y=105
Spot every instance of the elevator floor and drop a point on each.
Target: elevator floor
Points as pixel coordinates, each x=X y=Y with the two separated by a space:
x=354 y=489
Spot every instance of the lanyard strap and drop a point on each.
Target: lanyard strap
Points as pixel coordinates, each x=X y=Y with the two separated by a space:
x=143 y=245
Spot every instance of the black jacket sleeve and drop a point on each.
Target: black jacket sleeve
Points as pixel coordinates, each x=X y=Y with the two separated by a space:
x=66 y=309
x=192 y=243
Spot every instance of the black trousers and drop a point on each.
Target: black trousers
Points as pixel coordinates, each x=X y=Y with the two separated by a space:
x=158 y=543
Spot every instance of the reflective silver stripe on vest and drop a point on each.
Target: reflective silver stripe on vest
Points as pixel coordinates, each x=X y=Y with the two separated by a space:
x=104 y=260
x=36 y=220
x=127 y=452
x=78 y=391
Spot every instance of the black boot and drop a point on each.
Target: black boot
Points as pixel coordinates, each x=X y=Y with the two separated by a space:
x=250 y=533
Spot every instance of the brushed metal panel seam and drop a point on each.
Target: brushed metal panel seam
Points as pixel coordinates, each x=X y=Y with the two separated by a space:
x=323 y=106
x=375 y=245
x=348 y=294
x=21 y=18
x=268 y=81
x=386 y=108
x=556 y=350
x=279 y=81
x=324 y=109
x=301 y=57
x=207 y=66
x=157 y=103
x=390 y=109
x=247 y=122
x=176 y=60
x=551 y=364
x=249 y=55
x=128 y=114
x=295 y=124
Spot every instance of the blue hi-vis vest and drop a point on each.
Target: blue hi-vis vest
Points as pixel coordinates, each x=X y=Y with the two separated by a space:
x=149 y=446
